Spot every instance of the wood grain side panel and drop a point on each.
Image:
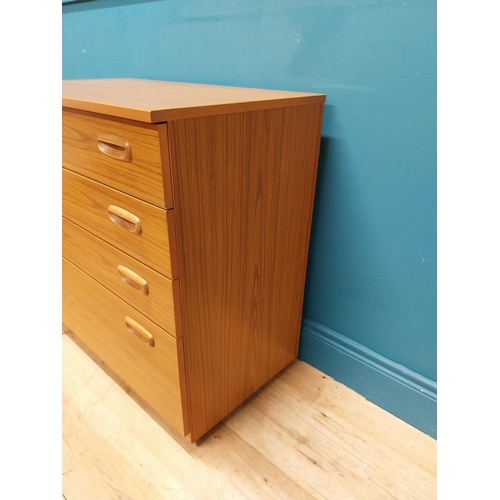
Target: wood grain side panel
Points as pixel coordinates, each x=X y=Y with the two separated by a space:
x=141 y=177
x=97 y=317
x=243 y=248
x=101 y=261
x=86 y=203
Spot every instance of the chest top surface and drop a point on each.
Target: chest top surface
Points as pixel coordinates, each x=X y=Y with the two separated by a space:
x=154 y=101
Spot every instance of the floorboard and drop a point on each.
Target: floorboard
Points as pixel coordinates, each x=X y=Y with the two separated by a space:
x=302 y=436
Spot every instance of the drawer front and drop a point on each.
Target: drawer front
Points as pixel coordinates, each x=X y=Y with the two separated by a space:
x=93 y=206
x=154 y=295
x=121 y=155
x=106 y=324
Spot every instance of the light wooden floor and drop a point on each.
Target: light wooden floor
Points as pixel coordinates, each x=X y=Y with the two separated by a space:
x=302 y=436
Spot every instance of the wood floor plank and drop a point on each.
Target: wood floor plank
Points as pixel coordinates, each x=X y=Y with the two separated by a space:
x=252 y=473
x=288 y=443
x=355 y=432
x=356 y=465
x=102 y=459
x=124 y=444
x=303 y=436
x=318 y=390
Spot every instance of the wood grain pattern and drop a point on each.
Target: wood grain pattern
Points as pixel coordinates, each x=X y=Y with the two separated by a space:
x=242 y=271
x=356 y=416
x=157 y=101
x=86 y=203
x=101 y=260
x=310 y=433
x=302 y=436
x=98 y=317
x=141 y=177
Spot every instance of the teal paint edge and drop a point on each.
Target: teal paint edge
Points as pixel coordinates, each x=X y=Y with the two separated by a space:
x=398 y=390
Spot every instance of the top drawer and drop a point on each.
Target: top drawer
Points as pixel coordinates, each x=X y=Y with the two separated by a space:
x=129 y=156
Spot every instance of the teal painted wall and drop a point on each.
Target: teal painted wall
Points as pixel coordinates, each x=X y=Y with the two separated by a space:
x=372 y=265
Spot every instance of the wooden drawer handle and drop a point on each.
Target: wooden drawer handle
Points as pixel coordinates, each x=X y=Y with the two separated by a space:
x=125 y=219
x=114 y=147
x=139 y=331
x=133 y=279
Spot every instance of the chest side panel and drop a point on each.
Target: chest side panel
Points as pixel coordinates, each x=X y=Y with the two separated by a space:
x=243 y=187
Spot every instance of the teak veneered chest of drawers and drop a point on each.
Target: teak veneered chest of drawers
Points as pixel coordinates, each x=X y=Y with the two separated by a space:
x=186 y=220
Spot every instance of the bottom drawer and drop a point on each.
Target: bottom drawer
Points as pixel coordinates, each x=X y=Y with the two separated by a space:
x=146 y=357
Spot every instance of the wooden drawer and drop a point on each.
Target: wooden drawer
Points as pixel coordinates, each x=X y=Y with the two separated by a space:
x=154 y=295
x=98 y=317
x=87 y=203
x=127 y=156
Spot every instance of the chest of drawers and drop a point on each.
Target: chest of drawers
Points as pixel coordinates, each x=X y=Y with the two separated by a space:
x=186 y=219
